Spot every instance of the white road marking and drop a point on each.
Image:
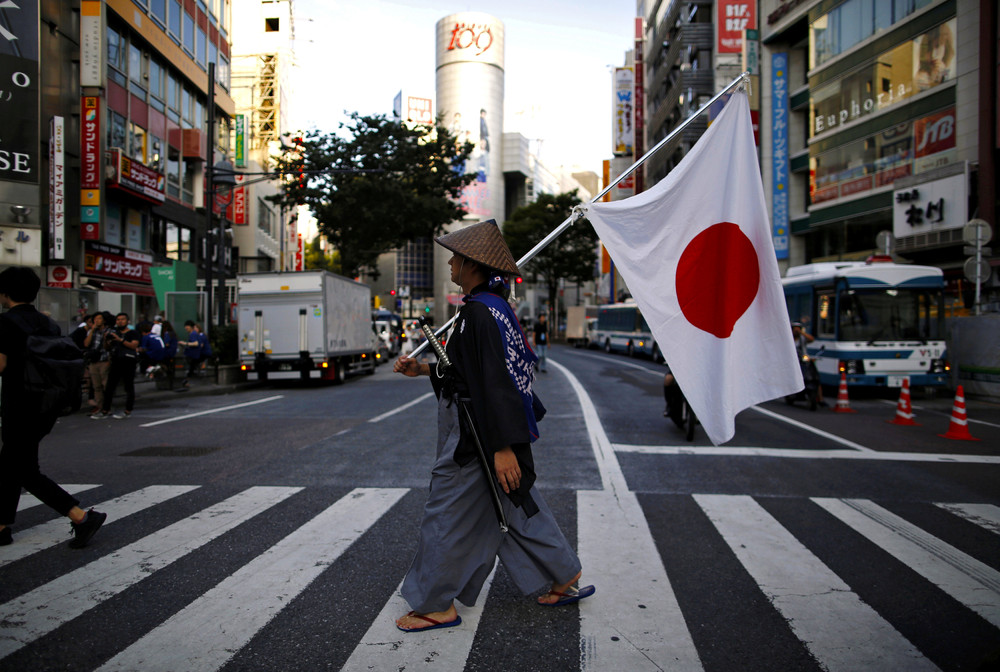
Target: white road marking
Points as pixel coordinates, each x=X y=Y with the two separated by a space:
x=27 y=501
x=213 y=410
x=983 y=515
x=814 y=430
x=841 y=631
x=53 y=532
x=615 y=632
x=49 y=606
x=973 y=583
x=806 y=453
x=399 y=409
x=386 y=647
x=208 y=632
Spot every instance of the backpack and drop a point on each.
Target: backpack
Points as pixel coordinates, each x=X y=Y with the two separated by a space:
x=170 y=343
x=153 y=345
x=206 y=347
x=53 y=369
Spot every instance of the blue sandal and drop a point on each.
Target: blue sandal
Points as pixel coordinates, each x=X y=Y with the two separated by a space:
x=432 y=624
x=572 y=594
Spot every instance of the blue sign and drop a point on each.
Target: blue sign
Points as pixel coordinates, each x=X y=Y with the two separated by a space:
x=779 y=153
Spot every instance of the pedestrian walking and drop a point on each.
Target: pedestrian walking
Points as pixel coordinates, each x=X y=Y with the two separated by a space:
x=123 y=345
x=97 y=359
x=542 y=343
x=491 y=377
x=170 y=343
x=193 y=351
x=25 y=424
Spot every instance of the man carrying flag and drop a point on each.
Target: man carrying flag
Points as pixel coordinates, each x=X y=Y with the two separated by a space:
x=695 y=251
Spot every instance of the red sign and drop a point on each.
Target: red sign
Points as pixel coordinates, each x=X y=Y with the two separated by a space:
x=300 y=255
x=478 y=37
x=117 y=263
x=238 y=209
x=934 y=133
x=60 y=276
x=137 y=178
x=90 y=144
x=419 y=110
x=856 y=186
x=734 y=17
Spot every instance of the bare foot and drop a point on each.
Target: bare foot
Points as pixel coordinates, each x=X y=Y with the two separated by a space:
x=414 y=622
x=551 y=597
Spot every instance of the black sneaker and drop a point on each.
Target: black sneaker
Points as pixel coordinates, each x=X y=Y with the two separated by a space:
x=6 y=538
x=83 y=531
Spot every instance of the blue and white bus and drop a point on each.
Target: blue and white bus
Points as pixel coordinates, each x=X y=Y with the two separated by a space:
x=877 y=322
x=622 y=328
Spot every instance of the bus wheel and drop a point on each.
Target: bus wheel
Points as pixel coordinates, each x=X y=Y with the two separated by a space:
x=607 y=345
x=657 y=355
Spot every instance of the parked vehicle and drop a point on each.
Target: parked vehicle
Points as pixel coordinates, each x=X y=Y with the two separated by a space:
x=622 y=328
x=307 y=324
x=579 y=325
x=388 y=341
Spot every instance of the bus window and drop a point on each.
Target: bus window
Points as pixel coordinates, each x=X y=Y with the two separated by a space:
x=826 y=323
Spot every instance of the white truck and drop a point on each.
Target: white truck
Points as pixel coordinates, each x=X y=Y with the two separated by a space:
x=305 y=324
x=580 y=323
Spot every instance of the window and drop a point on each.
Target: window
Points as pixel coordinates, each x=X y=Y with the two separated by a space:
x=137 y=68
x=173 y=98
x=156 y=158
x=113 y=224
x=175 y=19
x=156 y=84
x=187 y=182
x=213 y=56
x=222 y=72
x=826 y=321
x=172 y=245
x=117 y=56
x=174 y=172
x=187 y=106
x=158 y=8
x=117 y=133
x=198 y=120
x=852 y=22
x=199 y=54
x=271 y=25
x=264 y=217
x=188 y=37
x=137 y=143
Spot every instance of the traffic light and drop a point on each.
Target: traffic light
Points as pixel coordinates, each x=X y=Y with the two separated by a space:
x=427 y=309
x=392 y=292
x=518 y=280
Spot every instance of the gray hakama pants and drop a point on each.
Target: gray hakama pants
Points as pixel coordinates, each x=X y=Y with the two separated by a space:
x=460 y=538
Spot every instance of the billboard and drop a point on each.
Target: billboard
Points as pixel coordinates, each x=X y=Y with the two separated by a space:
x=733 y=18
x=779 y=153
x=622 y=112
x=19 y=107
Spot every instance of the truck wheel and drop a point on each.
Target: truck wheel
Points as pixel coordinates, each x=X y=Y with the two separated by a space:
x=371 y=369
x=340 y=373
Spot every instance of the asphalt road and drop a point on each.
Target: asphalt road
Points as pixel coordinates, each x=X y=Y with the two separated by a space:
x=269 y=529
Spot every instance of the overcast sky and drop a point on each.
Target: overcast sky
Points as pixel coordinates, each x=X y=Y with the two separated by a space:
x=356 y=55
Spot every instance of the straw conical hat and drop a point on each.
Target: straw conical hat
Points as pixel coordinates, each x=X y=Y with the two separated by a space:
x=482 y=243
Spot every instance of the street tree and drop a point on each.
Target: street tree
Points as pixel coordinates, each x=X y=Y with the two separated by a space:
x=571 y=256
x=318 y=258
x=374 y=185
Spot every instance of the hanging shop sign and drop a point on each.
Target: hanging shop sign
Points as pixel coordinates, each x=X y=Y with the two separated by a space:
x=136 y=178
x=103 y=260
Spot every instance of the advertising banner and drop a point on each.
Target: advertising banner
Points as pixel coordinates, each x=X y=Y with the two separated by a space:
x=622 y=115
x=137 y=178
x=300 y=255
x=19 y=107
x=931 y=206
x=117 y=263
x=779 y=153
x=90 y=222
x=934 y=140
x=57 y=189
x=91 y=43
x=734 y=17
x=239 y=150
x=90 y=144
x=238 y=209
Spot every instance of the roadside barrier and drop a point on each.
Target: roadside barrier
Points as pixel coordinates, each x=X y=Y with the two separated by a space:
x=843 y=403
x=958 y=428
x=904 y=411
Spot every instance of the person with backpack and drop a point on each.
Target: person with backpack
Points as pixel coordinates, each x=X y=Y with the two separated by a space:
x=26 y=407
x=123 y=344
x=97 y=359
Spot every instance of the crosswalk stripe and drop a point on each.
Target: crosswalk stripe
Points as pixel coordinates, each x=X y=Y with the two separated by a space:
x=984 y=515
x=969 y=581
x=385 y=647
x=841 y=631
x=29 y=501
x=633 y=622
x=248 y=599
x=49 y=606
x=49 y=534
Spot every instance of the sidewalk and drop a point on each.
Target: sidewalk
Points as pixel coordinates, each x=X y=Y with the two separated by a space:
x=205 y=385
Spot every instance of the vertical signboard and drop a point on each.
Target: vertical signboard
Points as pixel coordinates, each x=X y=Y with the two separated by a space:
x=239 y=151
x=19 y=109
x=300 y=255
x=621 y=117
x=57 y=189
x=734 y=17
x=90 y=168
x=91 y=43
x=779 y=152
x=640 y=102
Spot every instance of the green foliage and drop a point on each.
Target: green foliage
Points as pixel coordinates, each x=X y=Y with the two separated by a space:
x=412 y=191
x=571 y=256
x=223 y=339
x=315 y=258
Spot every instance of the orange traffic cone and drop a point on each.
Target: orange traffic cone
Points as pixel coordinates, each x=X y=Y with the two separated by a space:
x=959 y=427
x=843 y=404
x=904 y=412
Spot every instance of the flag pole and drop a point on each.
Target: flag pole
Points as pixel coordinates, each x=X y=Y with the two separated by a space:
x=742 y=80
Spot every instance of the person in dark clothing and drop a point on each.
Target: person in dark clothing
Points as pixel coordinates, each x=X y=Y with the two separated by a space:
x=492 y=369
x=541 y=332
x=123 y=343
x=24 y=426
x=97 y=359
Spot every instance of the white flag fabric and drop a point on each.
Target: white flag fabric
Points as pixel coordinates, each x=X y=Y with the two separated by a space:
x=696 y=253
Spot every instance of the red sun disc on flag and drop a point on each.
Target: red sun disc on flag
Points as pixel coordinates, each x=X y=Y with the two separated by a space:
x=717 y=278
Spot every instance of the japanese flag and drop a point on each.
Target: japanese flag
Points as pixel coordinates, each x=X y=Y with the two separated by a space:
x=695 y=251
